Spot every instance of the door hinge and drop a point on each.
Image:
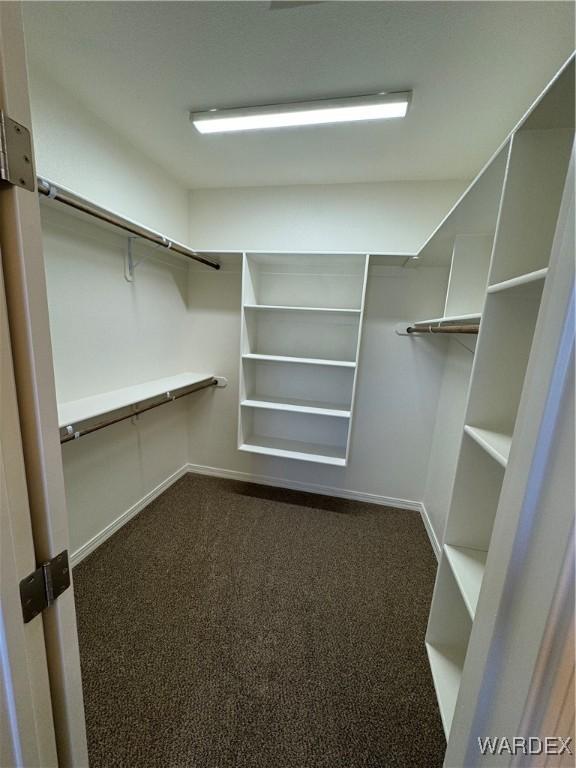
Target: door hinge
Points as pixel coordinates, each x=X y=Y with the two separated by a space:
x=16 y=161
x=42 y=587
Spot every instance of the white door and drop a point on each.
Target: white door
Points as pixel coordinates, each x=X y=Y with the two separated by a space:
x=41 y=699
x=27 y=728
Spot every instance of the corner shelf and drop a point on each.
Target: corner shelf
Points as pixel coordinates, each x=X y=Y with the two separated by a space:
x=519 y=282
x=468 y=569
x=295 y=449
x=496 y=444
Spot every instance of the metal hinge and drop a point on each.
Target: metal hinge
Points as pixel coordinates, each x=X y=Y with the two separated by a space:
x=16 y=161
x=40 y=589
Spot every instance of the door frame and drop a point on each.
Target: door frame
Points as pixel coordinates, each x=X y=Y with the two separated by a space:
x=27 y=309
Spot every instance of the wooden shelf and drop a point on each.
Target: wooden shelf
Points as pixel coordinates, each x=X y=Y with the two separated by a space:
x=519 y=282
x=446 y=664
x=496 y=444
x=304 y=360
x=294 y=449
x=468 y=569
x=281 y=308
x=471 y=318
x=297 y=406
x=75 y=411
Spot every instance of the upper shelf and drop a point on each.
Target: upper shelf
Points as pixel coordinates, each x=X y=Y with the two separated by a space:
x=75 y=411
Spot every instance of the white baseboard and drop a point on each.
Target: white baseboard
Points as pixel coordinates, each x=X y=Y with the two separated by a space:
x=112 y=527
x=246 y=477
x=295 y=485
x=430 y=531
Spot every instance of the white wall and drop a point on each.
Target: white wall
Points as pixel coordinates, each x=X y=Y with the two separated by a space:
x=108 y=333
x=399 y=382
x=394 y=217
x=458 y=358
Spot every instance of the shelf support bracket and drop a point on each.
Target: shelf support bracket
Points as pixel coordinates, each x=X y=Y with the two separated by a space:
x=130 y=264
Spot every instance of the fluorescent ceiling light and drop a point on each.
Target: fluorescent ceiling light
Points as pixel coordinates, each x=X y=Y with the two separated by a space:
x=379 y=106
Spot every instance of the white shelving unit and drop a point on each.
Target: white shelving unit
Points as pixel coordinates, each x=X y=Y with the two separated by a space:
x=514 y=280
x=465 y=240
x=496 y=444
x=301 y=330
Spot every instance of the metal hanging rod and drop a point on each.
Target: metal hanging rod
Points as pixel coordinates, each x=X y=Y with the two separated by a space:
x=69 y=433
x=469 y=328
x=68 y=198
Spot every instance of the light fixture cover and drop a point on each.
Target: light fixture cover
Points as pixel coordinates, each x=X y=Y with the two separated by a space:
x=378 y=106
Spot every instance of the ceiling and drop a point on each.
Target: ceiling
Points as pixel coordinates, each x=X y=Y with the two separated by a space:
x=474 y=68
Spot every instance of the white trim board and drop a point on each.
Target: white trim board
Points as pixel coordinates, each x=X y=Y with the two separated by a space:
x=430 y=531
x=84 y=550
x=245 y=477
x=325 y=490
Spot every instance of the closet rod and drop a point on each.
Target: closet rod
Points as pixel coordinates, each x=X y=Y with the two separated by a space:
x=75 y=434
x=54 y=192
x=471 y=328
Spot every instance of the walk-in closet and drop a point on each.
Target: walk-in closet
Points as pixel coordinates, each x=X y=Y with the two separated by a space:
x=287 y=415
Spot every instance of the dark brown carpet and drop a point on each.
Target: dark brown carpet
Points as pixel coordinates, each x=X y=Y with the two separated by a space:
x=238 y=626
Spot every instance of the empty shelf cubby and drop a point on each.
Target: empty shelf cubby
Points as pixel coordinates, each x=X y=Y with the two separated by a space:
x=294 y=435
x=501 y=360
x=320 y=387
x=447 y=639
x=302 y=334
x=329 y=281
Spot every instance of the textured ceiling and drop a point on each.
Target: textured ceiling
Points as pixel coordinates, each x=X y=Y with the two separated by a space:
x=474 y=68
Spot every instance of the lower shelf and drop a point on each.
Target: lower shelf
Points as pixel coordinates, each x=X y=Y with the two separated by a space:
x=446 y=664
x=497 y=444
x=468 y=569
x=294 y=449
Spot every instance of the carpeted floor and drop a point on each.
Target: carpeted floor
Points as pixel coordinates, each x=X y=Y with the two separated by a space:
x=232 y=625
